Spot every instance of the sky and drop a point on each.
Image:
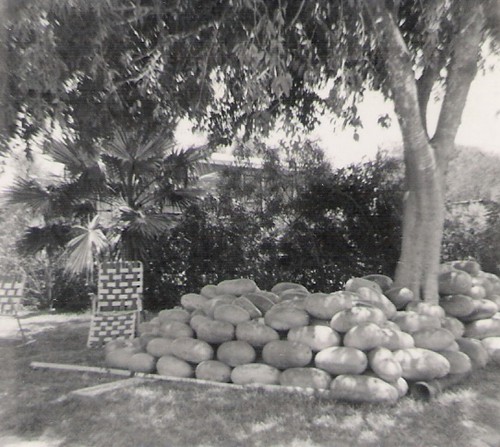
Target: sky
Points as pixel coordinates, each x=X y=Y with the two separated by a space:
x=480 y=125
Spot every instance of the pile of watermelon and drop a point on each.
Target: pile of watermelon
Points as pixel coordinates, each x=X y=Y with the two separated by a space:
x=364 y=343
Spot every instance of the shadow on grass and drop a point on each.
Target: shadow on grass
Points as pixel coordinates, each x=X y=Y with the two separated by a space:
x=182 y=414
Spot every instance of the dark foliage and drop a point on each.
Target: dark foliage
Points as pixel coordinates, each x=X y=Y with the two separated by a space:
x=348 y=224
x=473 y=175
x=215 y=240
x=70 y=294
x=293 y=220
x=472 y=227
x=490 y=256
x=337 y=225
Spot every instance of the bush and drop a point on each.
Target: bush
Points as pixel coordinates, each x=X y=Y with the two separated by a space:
x=472 y=230
x=215 y=240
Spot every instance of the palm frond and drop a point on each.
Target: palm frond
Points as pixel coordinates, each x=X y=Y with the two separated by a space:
x=142 y=225
x=132 y=159
x=87 y=186
x=30 y=193
x=189 y=157
x=56 y=200
x=94 y=175
x=51 y=238
x=122 y=147
x=83 y=248
x=132 y=147
x=183 y=166
x=155 y=146
x=173 y=198
x=195 y=154
x=136 y=232
x=71 y=156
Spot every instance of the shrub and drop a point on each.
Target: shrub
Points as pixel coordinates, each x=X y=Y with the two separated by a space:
x=70 y=293
x=348 y=223
x=472 y=230
x=216 y=239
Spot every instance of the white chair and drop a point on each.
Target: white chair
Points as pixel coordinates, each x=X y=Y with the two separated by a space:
x=117 y=306
x=11 y=296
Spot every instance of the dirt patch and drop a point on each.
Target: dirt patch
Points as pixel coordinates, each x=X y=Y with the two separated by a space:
x=490 y=422
x=16 y=441
x=33 y=324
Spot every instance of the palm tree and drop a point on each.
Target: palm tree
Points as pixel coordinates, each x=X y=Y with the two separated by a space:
x=118 y=198
x=147 y=184
x=47 y=239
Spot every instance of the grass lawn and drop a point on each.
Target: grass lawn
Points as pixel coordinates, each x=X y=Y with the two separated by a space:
x=182 y=414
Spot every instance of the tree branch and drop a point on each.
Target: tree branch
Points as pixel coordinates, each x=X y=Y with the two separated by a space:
x=461 y=72
x=402 y=84
x=297 y=14
x=432 y=21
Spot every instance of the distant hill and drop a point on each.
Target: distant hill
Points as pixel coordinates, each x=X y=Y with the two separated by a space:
x=473 y=175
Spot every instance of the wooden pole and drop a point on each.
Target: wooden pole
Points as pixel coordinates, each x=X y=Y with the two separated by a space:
x=81 y=368
x=192 y=381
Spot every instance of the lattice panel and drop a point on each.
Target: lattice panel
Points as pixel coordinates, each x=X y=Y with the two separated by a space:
x=107 y=327
x=120 y=286
x=11 y=294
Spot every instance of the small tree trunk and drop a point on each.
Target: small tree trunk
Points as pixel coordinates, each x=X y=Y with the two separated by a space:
x=49 y=284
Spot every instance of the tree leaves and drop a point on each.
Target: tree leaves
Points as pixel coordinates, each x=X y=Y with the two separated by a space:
x=135 y=232
x=142 y=225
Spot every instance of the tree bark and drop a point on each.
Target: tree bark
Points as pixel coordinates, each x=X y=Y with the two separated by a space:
x=462 y=70
x=425 y=163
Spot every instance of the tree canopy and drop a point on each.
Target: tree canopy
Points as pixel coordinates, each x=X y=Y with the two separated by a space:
x=229 y=64
x=237 y=65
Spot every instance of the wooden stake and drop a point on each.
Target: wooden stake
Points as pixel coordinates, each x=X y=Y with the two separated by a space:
x=80 y=368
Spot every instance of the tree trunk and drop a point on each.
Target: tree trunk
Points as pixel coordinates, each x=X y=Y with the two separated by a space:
x=426 y=160
x=4 y=72
x=49 y=282
x=423 y=221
